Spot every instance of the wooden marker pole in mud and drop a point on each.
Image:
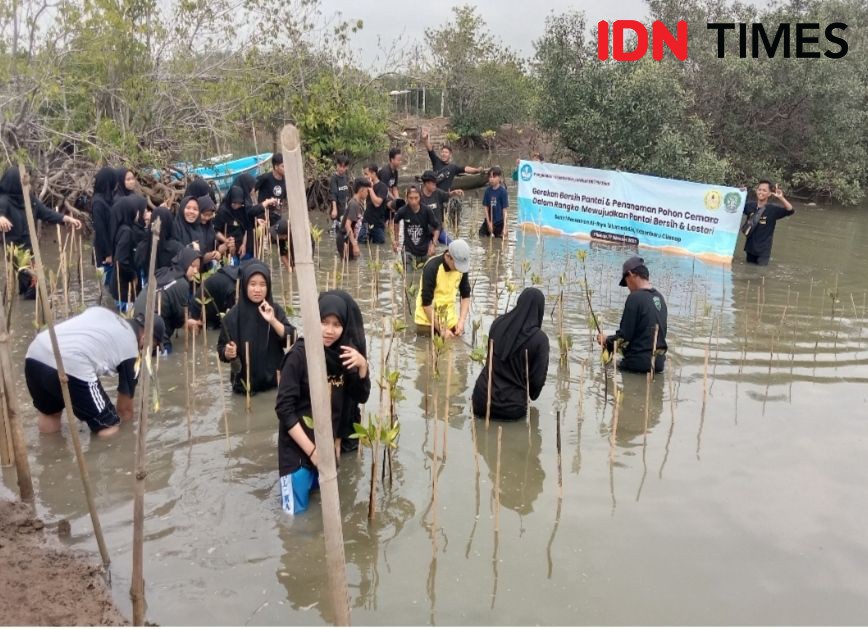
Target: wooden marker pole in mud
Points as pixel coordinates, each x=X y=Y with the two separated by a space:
x=137 y=586
x=319 y=394
x=10 y=407
x=42 y=287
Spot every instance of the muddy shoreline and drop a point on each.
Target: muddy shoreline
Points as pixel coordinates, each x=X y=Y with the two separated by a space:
x=42 y=582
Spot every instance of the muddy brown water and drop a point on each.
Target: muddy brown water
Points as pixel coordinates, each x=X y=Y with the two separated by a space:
x=743 y=506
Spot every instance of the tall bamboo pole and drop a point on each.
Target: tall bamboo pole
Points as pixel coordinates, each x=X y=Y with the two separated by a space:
x=331 y=507
x=137 y=587
x=42 y=287
x=19 y=446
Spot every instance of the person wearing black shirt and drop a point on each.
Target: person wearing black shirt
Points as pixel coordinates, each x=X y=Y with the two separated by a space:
x=339 y=190
x=272 y=185
x=421 y=229
x=349 y=382
x=376 y=211
x=761 y=220
x=390 y=172
x=519 y=364
x=443 y=166
x=645 y=308
x=435 y=199
x=347 y=235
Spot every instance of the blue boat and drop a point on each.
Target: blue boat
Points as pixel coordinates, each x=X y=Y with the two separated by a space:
x=223 y=174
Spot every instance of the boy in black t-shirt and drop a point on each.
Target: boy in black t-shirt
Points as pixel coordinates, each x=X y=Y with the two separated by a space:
x=421 y=229
x=376 y=210
x=644 y=309
x=389 y=173
x=761 y=220
x=272 y=185
x=339 y=190
x=435 y=199
x=442 y=165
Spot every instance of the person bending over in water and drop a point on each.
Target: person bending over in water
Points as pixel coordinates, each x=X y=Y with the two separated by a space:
x=350 y=385
x=442 y=277
x=644 y=308
x=256 y=321
x=520 y=360
x=95 y=343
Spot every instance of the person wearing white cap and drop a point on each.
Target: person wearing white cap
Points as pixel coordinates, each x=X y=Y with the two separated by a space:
x=442 y=277
x=644 y=309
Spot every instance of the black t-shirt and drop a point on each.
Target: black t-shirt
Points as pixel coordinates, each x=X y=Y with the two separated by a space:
x=419 y=228
x=759 y=241
x=339 y=191
x=642 y=311
x=270 y=187
x=436 y=202
x=376 y=215
x=444 y=172
x=388 y=176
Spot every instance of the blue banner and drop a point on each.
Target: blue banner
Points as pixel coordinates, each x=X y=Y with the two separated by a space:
x=676 y=216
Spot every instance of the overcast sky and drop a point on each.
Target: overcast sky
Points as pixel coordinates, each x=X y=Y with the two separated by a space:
x=516 y=23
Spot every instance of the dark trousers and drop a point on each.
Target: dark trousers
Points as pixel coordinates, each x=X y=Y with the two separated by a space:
x=758 y=260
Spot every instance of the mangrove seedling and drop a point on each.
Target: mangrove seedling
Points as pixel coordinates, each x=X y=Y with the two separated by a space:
x=474 y=328
x=480 y=351
x=371 y=436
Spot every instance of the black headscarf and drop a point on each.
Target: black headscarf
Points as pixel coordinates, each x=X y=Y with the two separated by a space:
x=247 y=183
x=246 y=325
x=125 y=211
x=10 y=185
x=104 y=184
x=510 y=331
x=178 y=269
x=344 y=307
x=120 y=186
x=197 y=187
x=185 y=232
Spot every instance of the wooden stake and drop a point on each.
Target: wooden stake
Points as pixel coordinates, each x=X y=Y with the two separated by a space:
x=321 y=409
x=558 y=447
x=223 y=400
x=42 y=288
x=247 y=370
x=497 y=483
x=187 y=374
x=490 y=366
x=137 y=587
x=10 y=404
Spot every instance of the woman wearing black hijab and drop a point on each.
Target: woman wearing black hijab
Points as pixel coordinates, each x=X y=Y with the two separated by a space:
x=130 y=217
x=168 y=245
x=260 y=323
x=188 y=228
x=521 y=349
x=350 y=382
x=231 y=223
x=104 y=185
x=13 y=222
x=198 y=187
x=126 y=182
x=174 y=294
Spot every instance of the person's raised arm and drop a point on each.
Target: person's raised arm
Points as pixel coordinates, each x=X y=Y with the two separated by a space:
x=778 y=195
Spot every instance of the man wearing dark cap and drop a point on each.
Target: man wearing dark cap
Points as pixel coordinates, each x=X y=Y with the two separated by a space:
x=347 y=236
x=95 y=343
x=644 y=311
x=435 y=199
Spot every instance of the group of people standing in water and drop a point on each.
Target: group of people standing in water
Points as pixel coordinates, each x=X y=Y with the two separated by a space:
x=206 y=250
